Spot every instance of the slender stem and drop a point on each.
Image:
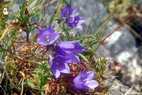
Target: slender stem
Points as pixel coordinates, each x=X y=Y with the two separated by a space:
x=27 y=36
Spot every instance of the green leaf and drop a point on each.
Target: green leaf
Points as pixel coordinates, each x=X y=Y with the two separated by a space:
x=84 y=57
x=90 y=51
x=55 y=13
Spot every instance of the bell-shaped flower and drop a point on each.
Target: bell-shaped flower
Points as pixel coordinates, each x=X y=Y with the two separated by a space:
x=59 y=65
x=64 y=47
x=68 y=11
x=69 y=49
x=47 y=36
x=85 y=80
x=75 y=21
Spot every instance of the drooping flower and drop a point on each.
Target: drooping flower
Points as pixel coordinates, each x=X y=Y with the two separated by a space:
x=75 y=21
x=85 y=80
x=47 y=36
x=59 y=65
x=69 y=49
x=68 y=11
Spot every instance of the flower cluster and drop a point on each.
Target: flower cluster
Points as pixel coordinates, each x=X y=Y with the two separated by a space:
x=68 y=13
x=66 y=51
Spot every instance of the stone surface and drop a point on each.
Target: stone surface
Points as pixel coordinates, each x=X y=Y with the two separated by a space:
x=118 y=88
x=92 y=11
x=121 y=45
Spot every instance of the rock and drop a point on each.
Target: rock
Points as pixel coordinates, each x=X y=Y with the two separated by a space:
x=89 y=9
x=122 y=47
x=118 y=88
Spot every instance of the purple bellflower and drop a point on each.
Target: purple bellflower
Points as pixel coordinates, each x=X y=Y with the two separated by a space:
x=75 y=21
x=69 y=49
x=59 y=65
x=85 y=80
x=47 y=36
x=68 y=11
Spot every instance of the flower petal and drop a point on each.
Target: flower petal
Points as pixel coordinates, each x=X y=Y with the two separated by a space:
x=90 y=75
x=66 y=70
x=56 y=72
x=65 y=45
x=79 y=27
x=81 y=21
x=92 y=84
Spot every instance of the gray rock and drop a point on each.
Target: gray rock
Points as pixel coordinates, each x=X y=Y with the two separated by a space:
x=92 y=11
x=121 y=45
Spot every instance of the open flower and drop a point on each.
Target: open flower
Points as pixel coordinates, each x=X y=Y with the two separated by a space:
x=47 y=36
x=68 y=11
x=59 y=65
x=75 y=21
x=69 y=49
x=85 y=80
